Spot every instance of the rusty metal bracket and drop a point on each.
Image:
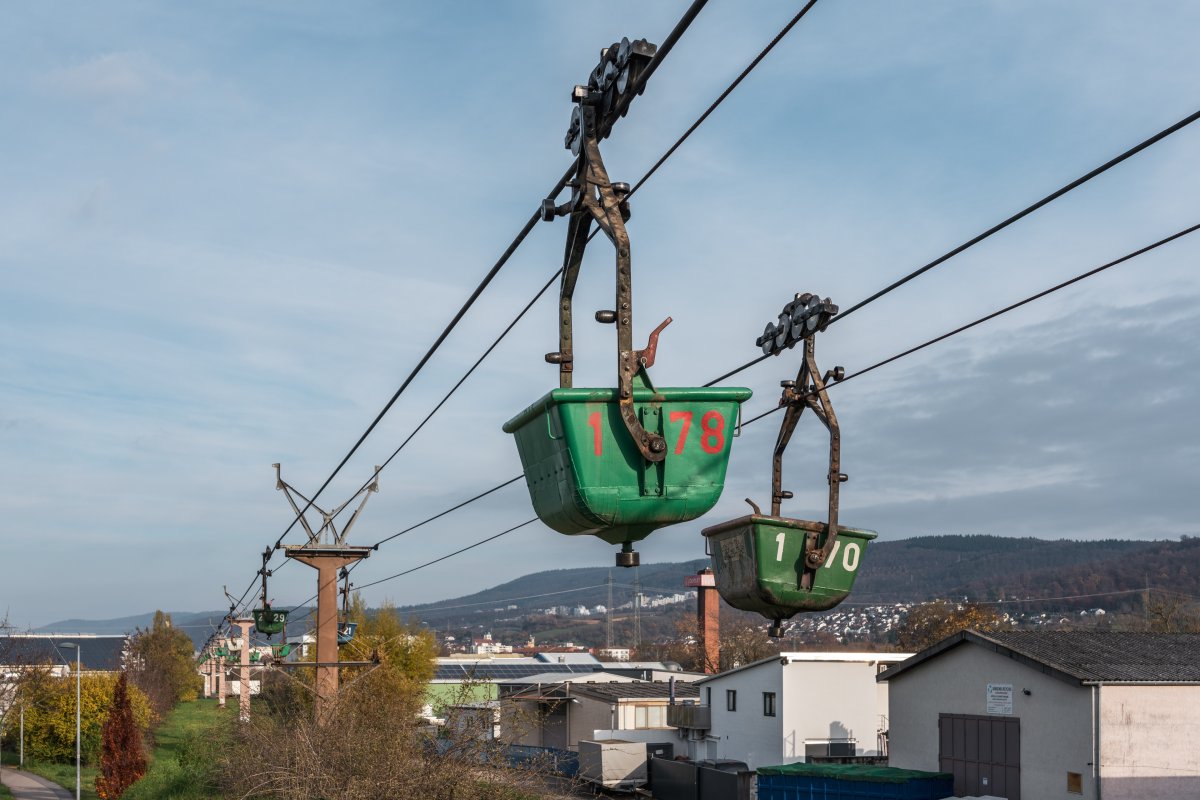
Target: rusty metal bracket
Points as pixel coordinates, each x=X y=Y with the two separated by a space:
x=808 y=391
x=598 y=200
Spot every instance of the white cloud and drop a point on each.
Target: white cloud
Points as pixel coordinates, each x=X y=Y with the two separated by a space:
x=109 y=76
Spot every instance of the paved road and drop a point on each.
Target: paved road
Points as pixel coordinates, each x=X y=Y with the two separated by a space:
x=25 y=786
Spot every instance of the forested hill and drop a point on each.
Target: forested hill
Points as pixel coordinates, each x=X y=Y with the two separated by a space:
x=922 y=568
x=993 y=568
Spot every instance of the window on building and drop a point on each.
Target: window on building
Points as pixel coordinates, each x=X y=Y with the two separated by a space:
x=708 y=696
x=768 y=704
x=1075 y=783
x=731 y=700
x=645 y=716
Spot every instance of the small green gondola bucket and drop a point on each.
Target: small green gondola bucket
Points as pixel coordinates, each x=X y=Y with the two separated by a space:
x=346 y=632
x=758 y=561
x=586 y=476
x=281 y=650
x=222 y=652
x=269 y=621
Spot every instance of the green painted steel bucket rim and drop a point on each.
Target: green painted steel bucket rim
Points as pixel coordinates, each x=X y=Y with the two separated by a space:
x=676 y=394
x=786 y=522
x=265 y=622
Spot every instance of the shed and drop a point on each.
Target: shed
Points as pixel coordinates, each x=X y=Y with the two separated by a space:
x=1042 y=715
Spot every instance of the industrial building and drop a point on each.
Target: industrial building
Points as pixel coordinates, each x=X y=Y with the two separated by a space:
x=1052 y=715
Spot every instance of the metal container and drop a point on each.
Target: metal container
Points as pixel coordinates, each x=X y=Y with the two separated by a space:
x=851 y=782
x=758 y=561
x=613 y=763
x=586 y=476
x=270 y=621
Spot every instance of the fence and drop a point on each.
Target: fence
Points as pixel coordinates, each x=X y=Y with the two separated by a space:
x=684 y=780
x=544 y=759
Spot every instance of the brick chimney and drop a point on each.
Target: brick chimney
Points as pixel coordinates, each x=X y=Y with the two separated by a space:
x=708 y=621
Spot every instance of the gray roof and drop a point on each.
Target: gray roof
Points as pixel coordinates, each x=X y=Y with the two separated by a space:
x=612 y=691
x=634 y=690
x=499 y=670
x=104 y=653
x=1083 y=657
x=568 y=658
x=559 y=677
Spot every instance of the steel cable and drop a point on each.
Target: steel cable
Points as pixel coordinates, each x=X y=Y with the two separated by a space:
x=1178 y=126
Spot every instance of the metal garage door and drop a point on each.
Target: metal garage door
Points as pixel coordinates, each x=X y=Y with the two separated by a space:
x=983 y=754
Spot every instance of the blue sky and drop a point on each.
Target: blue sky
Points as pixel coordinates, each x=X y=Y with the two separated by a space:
x=229 y=231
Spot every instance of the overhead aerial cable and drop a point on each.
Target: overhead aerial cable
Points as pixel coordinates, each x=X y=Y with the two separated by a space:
x=843 y=377
x=1000 y=312
x=637 y=86
x=1075 y=184
x=1124 y=156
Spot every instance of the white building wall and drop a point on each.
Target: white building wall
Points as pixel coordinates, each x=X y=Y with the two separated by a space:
x=1149 y=742
x=745 y=734
x=1056 y=718
x=831 y=700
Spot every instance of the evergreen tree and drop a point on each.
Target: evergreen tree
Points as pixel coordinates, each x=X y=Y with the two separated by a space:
x=122 y=761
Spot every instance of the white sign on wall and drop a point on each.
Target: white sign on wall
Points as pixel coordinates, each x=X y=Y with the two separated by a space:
x=1000 y=698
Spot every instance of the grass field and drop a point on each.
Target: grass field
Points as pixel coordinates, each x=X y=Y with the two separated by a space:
x=184 y=746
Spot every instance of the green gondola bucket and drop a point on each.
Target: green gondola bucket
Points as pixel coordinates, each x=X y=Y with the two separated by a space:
x=281 y=650
x=269 y=621
x=586 y=476
x=758 y=561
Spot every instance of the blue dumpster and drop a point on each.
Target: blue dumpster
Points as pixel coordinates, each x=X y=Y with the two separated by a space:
x=851 y=782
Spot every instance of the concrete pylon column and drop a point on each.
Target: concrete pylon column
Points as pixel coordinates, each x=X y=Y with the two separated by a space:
x=708 y=619
x=206 y=671
x=219 y=666
x=327 y=561
x=244 y=626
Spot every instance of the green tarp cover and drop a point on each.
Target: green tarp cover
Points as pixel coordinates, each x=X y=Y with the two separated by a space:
x=854 y=772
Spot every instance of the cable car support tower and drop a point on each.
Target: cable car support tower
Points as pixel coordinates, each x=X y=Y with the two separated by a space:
x=326 y=551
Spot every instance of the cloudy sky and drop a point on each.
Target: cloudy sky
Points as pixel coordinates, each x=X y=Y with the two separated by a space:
x=228 y=231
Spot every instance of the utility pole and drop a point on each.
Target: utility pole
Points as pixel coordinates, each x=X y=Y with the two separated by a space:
x=637 y=608
x=326 y=551
x=244 y=626
x=608 y=640
x=219 y=664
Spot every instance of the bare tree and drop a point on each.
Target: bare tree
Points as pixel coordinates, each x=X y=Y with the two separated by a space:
x=373 y=745
x=19 y=657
